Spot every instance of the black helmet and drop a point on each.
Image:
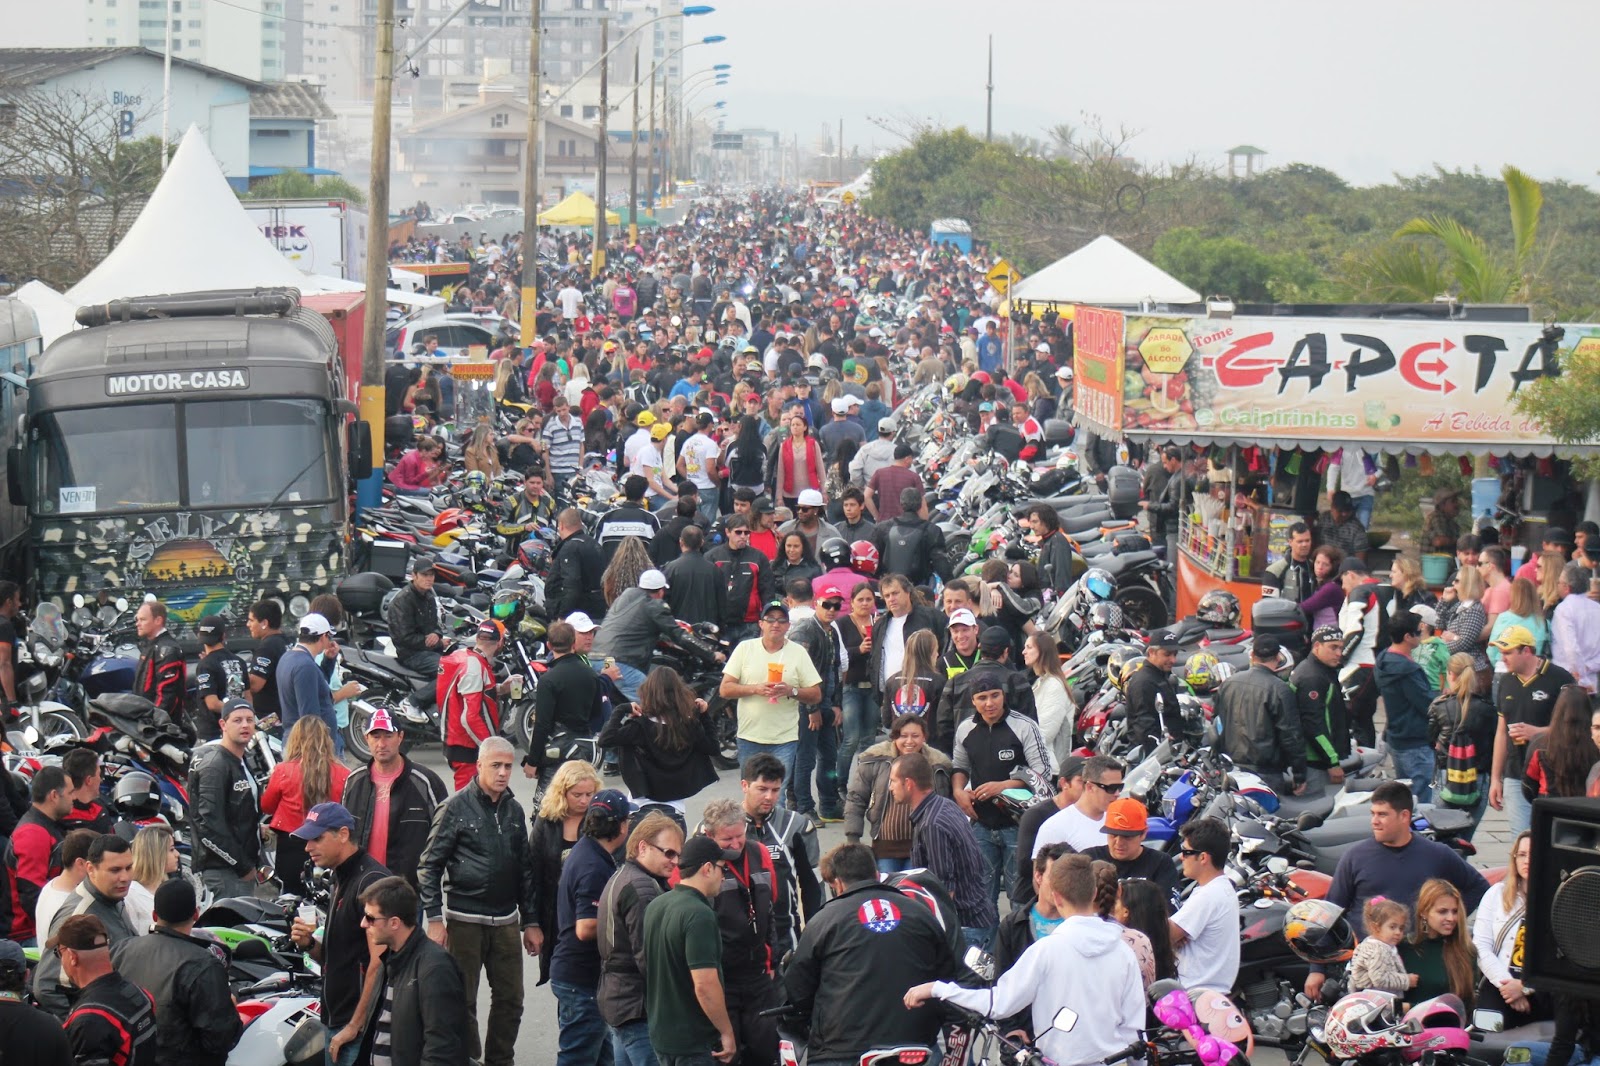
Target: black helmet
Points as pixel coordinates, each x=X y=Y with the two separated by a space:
x=834 y=553
x=137 y=796
x=1219 y=607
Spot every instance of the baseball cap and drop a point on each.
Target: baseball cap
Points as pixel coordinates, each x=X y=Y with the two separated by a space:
x=213 y=627
x=381 y=722
x=1042 y=347
x=1514 y=637
x=1072 y=766
x=422 y=564
x=1063 y=372
x=652 y=580
x=994 y=638
x=490 y=629
x=660 y=431
x=1327 y=635
x=809 y=498
x=888 y=424
x=175 y=902
x=581 y=622
x=612 y=802
x=1557 y=535
x=1125 y=817
x=986 y=406
x=314 y=625
x=1427 y=614
x=775 y=605
x=840 y=404
x=1265 y=646
x=81 y=932
x=762 y=505
x=645 y=419
x=235 y=704
x=1164 y=641
x=697 y=851
x=1353 y=565
x=324 y=818
x=963 y=617
x=832 y=592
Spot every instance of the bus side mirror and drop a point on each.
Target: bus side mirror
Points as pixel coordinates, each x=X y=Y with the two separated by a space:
x=14 y=490
x=358 y=449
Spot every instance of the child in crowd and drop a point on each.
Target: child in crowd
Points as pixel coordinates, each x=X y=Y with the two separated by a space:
x=1376 y=963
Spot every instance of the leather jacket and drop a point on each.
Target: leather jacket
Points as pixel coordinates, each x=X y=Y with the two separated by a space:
x=1261 y=723
x=428 y=1018
x=636 y=623
x=481 y=847
x=413 y=615
x=742 y=572
x=413 y=798
x=188 y=977
x=223 y=818
x=1152 y=703
x=574 y=582
x=162 y=675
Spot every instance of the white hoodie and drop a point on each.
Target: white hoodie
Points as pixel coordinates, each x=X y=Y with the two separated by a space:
x=1083 y=964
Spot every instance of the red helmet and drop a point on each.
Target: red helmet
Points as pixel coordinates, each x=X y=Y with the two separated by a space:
x=864 y=558
x=450 y=518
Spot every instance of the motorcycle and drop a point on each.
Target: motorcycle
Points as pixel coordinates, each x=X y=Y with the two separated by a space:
x=41 y=660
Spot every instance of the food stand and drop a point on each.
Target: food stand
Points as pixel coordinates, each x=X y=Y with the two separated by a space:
x=1266 y=394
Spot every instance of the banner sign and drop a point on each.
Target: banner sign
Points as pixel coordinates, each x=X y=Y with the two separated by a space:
x=1097 y=370
x=1332 y=379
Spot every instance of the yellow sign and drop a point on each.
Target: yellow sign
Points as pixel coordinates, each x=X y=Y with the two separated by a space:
x=847 y=197
x=1587 y=346
x=1165 y=350
x=1002 y=277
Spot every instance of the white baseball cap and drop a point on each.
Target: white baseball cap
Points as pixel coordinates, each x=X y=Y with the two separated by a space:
x=581 y=622
x=652 y=580
x=1064 y=372
x=809 y=497
x=840 y=404
x=315 y=625
x=963 y=617
x=1042 y=347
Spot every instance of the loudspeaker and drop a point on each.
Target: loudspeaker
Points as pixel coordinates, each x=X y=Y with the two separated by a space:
x=1562 y=952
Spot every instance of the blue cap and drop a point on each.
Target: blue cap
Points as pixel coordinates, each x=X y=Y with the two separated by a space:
x=613 y=802
x=325 y=818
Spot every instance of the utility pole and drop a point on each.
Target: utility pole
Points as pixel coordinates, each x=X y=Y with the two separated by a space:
x=988 y=112
x=633 y=159
x=373 y=363
x=598 y=262
x=650 y=156
x=529 y=297
x=839 y=171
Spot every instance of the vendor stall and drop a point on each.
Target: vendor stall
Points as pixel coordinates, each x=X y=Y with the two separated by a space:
x=1274 y=399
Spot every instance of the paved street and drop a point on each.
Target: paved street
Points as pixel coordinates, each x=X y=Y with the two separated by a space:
x=536 y=1046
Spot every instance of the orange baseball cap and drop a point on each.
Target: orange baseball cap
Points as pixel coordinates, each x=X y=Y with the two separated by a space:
x=1125 y=818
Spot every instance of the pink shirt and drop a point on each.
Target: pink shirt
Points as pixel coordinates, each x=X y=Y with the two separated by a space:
x=1497 y=599
x=382 y=788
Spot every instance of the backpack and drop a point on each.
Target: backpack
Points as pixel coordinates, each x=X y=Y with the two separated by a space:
x=1461 y=787
x=903 y=551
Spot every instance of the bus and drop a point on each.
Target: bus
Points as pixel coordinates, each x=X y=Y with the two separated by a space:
x=196 y=447
x=20 y=344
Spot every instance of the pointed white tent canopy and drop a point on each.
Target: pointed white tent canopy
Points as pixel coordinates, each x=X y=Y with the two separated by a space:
x=51 y=310
x=1104 y=272
x=192 y=235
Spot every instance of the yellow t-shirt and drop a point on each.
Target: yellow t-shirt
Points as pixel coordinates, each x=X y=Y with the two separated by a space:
x=761 y=721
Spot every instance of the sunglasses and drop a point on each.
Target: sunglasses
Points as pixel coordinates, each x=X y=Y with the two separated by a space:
x=831 y=605
x=1189 y=852
x=670 y=853
x=372 y=919
x=1111 y=789
x=775 y=621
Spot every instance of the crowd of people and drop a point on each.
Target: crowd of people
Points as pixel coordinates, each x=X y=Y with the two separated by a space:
x=751 y=412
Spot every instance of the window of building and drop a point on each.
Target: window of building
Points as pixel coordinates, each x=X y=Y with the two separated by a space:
x=194 y=24
x=499 y=120
x=272 y=133
x=566 y=110
x=591 y=111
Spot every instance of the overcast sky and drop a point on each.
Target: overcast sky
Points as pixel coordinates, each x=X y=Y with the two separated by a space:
x=1366 y=88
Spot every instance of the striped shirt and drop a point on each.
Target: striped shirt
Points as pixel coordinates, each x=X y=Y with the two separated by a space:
x=566 y=443
x=381 y=1055
x=942 y=841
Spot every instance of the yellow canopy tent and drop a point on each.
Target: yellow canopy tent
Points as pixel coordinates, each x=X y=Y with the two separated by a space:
x=576 y=210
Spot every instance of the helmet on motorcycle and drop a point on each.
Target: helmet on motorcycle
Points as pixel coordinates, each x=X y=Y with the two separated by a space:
x=1201 y=671
x=1107 y=615
x=1118 y=658
x=1219 y=607
x=1222 y=672
x=834 y=553
x=864 y=558
x=533 y=556
x=477 y=480
x=1318 y=933
x=1129 y=668
x=1361 y=1023
x=1098 y=583
x=507 y=607
x=137 y=796
x=450 y=518
x=419 y=426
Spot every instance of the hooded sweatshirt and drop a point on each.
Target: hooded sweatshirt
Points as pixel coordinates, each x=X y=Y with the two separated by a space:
x=1084 y=964
x=1406 y=696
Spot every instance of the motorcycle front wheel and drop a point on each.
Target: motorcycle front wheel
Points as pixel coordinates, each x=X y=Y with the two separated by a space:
x=61 y=723
x=1142 y=607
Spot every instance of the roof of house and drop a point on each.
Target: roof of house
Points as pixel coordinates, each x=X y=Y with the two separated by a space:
x=449 y=118
x=30 y=66
x=288 y=99
x=1246 y=149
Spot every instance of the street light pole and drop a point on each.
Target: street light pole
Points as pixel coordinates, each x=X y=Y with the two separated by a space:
x=373 y=363
x=597 y=262
x=633 y=159
x=528 y=300
x=650 y=156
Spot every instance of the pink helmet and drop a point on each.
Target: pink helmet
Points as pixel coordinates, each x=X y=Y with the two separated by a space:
x=1364 y=1022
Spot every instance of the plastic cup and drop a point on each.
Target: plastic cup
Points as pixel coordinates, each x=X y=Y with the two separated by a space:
x=308 y=914
x=774 y=676
x=516 y=686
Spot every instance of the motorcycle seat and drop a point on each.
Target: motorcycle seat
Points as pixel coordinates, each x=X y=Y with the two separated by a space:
x=1084 y=523
x=1071 y=504
x=392 y=665
x=1340 y=831
x=1447 y=821
x=1095 y=549
x=1363 y=784
x=1291 y=806
x=1116 y=564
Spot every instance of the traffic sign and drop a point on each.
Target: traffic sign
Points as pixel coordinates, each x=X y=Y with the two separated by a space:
x=1165 y=350
x=847 y=197
x=1001 y=276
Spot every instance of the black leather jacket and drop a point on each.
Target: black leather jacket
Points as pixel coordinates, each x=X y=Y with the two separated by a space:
x=223 y=819
x=427 y=1005
x=1055 y=563
x=188 y=977
x=413 y=615
x=1261 y=723
x=415 y=795
x=574 y=582
x=481 y=848
x=741 y=572
x=1152 y=701
x=113 y=1025
x=162 y=676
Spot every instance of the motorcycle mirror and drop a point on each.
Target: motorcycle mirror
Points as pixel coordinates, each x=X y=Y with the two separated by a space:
x=1277 y=864
x=1064 y=1020
x=77 y=601
x=1305 y=864
x=1490 y=1021
x=122 y=604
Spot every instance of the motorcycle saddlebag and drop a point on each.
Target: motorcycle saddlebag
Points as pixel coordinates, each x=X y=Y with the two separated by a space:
x=1281 y=618
x=362 y=594
x=1122 y=490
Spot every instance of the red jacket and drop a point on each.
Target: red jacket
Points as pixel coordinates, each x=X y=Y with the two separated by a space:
x=470 y=718
x=32 y=859
x=284 y=797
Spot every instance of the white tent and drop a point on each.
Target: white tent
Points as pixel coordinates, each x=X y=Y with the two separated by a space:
x=1104 y=272
x=51 y=310
x=191 y=236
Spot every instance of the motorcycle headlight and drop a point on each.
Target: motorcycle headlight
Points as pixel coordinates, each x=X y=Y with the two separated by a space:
x=1169 y=808
x=299 y=606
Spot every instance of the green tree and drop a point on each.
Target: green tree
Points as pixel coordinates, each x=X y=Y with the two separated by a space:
x=1569 y=405
x=1226 y=266
x=294 y=185
x=914 y=186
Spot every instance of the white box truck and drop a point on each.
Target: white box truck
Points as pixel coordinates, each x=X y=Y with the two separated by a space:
x=327 y=237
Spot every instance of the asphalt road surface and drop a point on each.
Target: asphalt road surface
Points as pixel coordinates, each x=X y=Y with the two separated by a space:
x=536 y=1043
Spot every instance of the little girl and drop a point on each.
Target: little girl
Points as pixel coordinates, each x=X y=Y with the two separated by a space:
x=1376 y=963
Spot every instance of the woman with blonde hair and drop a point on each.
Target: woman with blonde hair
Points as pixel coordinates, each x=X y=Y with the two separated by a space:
x=1497 y=937
x=481 y=453
x=631 y=560
x=1526 y=611
x=309 y=774
x=1405 y=576
x=1466 y=621
x=155 y=859
x=916 y=687
x=1460 y=707
x=1439 y=952
x=1548 y=570
x=556 y=829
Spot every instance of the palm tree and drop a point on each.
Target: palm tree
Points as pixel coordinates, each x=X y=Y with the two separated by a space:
x=1404 y=271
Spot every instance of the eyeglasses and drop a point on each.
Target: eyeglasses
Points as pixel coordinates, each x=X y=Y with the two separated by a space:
x=831 y=605
x=670 y=853
x=1111 y=789
x=372 y=919
x=1189 y=852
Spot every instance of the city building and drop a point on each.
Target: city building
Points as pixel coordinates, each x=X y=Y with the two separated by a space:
x=246 y=39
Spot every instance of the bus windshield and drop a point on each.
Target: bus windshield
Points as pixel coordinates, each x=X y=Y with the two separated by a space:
x=235 y=453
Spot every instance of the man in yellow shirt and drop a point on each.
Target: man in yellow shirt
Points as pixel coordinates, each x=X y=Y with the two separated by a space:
x=771 y=677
